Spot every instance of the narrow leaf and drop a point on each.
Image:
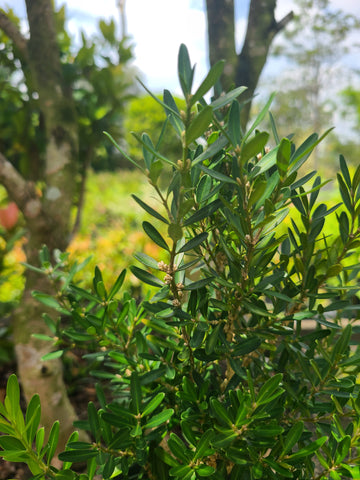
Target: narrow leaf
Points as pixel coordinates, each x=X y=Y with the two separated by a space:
x=153 y=404
x=146 y=277
x=199 y=125
x=160 y=418
x=149 y=209
x=135 y=390
x=53 y=441
x=228 y=98
x=155 y=236
x=123 y=152
x=292 y=437
x=193 y=243
x=209 y=81
x=203 y=445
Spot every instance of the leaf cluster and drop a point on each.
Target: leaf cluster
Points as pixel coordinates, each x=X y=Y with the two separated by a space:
x=217 y=374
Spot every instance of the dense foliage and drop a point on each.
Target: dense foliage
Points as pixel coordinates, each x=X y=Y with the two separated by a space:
x=145 y=115
x=96 y=73
x=216 y=375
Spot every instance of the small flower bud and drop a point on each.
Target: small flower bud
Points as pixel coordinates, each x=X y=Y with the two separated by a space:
x=162 y=266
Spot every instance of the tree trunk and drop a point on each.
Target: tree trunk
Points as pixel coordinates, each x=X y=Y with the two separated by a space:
x=47 y=213
x=221 y=38
x=244 y=68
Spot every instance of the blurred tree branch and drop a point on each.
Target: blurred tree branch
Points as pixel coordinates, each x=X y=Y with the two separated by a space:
x=12 y=31
x=244 y=68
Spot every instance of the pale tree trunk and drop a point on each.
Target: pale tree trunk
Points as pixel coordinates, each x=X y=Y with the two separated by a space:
x=242 y=69
x=46 y=213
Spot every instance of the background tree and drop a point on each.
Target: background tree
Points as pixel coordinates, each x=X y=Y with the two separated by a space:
x=54 y=105
x=310 y=83
x=351 y=96
x=244 y=68
x=145 y=115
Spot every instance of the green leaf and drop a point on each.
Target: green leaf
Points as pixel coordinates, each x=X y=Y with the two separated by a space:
x=117 y=285
x=183 y=471
x=152 y=150
x=212 y=339
x=148 y=157
x=246 y=346
x=160 y=418
x=155 y=170
x=121 y=418
x=149 y=209
x=52 y=355
x=93 y=421
x=274 y=129
x=203 y=212
x=172 y=112
x=356 y=178
x=40 y=438
x=77 y=455
x=146 y=260
x=205 y=471
x=53 y=441
x=175 y=232
x=209 y=81
x=48 y=300
x=270 y=390
x=227 y=99
x=155 y=236
x=8 y=442
x=212 y=150
x=123 y=152
x=283 y=156
x=260 y=117
x=292 y=437
x=178 y=448
x=218 y=175
x=234 y=129
x=193 y=243
x=153 y=404
x=342 y=449
x=345 y=171
x=220 y=412
x=109 y=467
x=146 y=277
x=282 y=469
x=345 y=195
x=135 y=389
x=12 y=394
x=334 y=270
x=185 y=72
x=84 y=294
x=307 y=451
x=199 y=283
x=265 y=431
x=203 y=445
x=254 y=146
x=265 y=163
x=199 y=125
x=302 y=153
x=257 y=192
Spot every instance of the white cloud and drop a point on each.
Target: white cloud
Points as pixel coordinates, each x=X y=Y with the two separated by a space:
x=158 y=28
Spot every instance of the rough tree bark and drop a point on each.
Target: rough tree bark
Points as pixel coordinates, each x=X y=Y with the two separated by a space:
x=46 y=212
x=243 y=68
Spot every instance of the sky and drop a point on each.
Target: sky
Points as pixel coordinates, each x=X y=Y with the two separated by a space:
x=158 y=27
